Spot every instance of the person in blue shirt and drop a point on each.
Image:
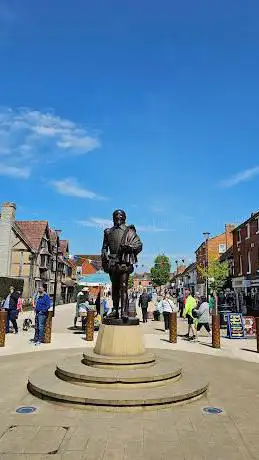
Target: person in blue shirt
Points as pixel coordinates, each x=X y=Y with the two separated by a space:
x=42 y=306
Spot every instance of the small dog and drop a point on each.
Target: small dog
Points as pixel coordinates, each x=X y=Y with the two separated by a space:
x=27 y=324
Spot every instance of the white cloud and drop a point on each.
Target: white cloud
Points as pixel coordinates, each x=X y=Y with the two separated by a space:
x=99 y=222
x=71 y=187
x=13 y=171
x=35 y=136
x=242 y=176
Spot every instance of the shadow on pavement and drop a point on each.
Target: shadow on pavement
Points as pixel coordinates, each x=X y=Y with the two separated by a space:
x=249 y=349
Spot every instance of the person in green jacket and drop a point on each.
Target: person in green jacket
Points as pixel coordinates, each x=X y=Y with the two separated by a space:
x=190 y=304
x=211 y=303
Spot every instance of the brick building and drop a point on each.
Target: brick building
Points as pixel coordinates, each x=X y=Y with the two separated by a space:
x=213 y=249
x=246 y=253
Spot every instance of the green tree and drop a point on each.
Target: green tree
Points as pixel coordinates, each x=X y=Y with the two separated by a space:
x=160 y=273
x=131 y=281
x=216 y=274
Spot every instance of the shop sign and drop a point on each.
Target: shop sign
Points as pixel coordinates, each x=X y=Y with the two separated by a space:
x=235 y=326
x=249 y=325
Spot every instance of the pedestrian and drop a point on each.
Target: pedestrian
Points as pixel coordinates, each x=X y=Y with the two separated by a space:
x=19 y=303
x=203 y=315
x=42 y=307
x=181 y=304
x=167 y=307
x=143 y=304
x=190 y=305
x=82 y=296
x=10 y=306
x=212 y=303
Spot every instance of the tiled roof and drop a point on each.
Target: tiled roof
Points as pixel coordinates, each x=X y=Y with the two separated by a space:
x=33 y=230
x=227 y=255
x=96 y=259
x=21 y=234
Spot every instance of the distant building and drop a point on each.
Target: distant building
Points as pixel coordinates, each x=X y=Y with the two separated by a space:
x=141 y=280
x=213 y=250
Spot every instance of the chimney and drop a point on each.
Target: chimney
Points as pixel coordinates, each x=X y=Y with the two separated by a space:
x=228 y=235
x=8 y=212
x=6 y=234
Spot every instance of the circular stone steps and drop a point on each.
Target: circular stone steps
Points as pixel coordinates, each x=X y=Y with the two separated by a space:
x=72 y=370
x=45 y=383
x=93 y=359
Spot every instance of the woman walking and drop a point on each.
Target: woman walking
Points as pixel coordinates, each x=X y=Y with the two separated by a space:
x=167 y=306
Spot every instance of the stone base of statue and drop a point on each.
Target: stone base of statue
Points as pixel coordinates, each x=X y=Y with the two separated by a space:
x=119 y=361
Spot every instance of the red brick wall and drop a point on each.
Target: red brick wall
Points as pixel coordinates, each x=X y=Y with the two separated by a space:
x=244 y=246
x=213 y=249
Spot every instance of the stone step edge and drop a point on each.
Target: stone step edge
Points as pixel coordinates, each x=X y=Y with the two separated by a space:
x=73 y=377
x=65 y=397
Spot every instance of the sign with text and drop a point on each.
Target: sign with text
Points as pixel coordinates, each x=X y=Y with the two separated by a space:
x=249 y=325
x=235 y=326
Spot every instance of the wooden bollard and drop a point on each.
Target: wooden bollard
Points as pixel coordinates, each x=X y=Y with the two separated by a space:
x=3 y=319
x=173 y=327
x=215 y=330
x=257 y=332
x=48 y=328
x=89 y=330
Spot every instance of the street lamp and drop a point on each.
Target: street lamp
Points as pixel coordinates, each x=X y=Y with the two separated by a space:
x=206 y=237
x=57 y=232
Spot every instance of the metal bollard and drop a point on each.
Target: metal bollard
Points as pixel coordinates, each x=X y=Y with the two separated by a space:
x=173 y=327
x=48 y=328
x=215 y=330
x=89 y=330
x=257 y=332
x=3 y=319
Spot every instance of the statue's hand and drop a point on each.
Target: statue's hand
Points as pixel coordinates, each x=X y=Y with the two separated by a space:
x=128 y=249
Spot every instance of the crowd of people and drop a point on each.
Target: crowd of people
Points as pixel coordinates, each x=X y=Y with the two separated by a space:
x=13 y=304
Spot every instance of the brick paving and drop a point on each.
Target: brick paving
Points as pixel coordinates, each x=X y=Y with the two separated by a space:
x=180 y=432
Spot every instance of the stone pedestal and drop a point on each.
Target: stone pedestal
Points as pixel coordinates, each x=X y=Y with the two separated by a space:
x=3 y=319
x=120 y=341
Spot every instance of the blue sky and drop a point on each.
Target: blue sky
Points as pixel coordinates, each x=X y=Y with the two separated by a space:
x=149 y=106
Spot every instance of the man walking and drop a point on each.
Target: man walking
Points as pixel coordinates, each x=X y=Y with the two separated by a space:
x=41 y=309
x=190 y=305
x=10 y=306
x=143 y=304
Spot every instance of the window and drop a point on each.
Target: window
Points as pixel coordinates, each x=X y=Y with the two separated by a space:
x=240 y=266
x=21 y=263
x=257 y=225
x=249 y=263
x=42 y=261
x=247 y=231
x=222 y=248
x=239 y=236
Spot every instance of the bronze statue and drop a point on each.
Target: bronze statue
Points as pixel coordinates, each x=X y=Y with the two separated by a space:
x=121 y=245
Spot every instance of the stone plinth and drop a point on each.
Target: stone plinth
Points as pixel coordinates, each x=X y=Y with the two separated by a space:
x=120 y=341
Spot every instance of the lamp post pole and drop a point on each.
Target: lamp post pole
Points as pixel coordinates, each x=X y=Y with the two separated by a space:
x=58 y=232
x=206 y=236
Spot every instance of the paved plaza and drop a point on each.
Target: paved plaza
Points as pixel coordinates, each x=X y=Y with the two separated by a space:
x=182 y=432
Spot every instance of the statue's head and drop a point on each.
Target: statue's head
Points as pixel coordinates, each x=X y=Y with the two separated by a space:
x=119 y=217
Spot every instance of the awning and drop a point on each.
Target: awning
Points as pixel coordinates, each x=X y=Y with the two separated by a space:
x=100 y=278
